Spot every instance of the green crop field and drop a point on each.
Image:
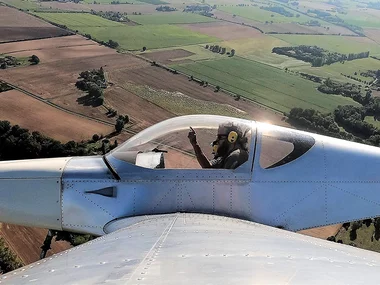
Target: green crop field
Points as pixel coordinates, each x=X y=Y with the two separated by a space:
x=75 y=21
x=128 y=37
x=261 y=15
x=152 y=37
x=23 y=4
x=339 y=44
x=265 y=84
x=170 y=18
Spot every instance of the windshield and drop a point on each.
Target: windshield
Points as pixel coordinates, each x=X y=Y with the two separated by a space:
x=279 y=146
x=166 y=145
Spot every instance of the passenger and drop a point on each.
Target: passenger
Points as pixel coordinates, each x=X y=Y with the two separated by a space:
x=230 y=148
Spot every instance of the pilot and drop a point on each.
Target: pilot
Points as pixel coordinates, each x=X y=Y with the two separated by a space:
x=230 y=148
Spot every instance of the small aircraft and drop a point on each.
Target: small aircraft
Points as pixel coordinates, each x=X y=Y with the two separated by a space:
x=164 y=220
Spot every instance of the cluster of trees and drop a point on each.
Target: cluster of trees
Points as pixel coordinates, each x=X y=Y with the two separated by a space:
x=319 y=13
x=8 y=61
x=315 y=121
x=352 y=119
x=317 y=56
x=111 y=44
x=165 y=9
x=4 y=87
x=112 y=16
x=196 y=8
x=136 y=13
x=347 y=90
x=371 y=73
x=278 y=10
x=354 y=226
x=94 y=82
x=220 y=49
x=310 y=77
x=120 y=122
x=8 y=261
x=18 y=143
x=312 y=23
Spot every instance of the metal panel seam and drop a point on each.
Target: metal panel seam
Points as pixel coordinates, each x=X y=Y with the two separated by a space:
x=159 y=242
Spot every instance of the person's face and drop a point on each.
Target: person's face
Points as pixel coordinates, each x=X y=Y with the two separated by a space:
x=223 y=145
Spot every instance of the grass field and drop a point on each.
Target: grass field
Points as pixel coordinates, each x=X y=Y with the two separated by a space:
x=348 y=68
x=371 y=120
x=267 y=85
x=170 y=18
x=128 y=37
x=261 y=15
x=334 y=43
x=78 y=20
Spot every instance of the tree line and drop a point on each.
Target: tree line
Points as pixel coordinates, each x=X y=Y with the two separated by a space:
x=220 y=49
x=112 y=16
x=165 y=9
x=278 y=10
x=317 y=56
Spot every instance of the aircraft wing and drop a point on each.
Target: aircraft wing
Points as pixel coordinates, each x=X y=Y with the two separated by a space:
x=201 y=249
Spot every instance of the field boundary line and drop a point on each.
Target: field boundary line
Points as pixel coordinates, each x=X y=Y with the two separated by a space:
x=104 y=122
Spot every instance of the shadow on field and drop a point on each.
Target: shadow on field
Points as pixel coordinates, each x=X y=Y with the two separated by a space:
x=88 y=100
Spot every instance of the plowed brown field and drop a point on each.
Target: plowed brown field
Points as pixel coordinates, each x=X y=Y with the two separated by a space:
x=35 y=115
x=16 y=25
x=25 y=242
x=62 y=59
x=322 y=232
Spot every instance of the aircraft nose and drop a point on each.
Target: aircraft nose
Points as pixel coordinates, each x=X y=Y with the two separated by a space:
x=30 y=192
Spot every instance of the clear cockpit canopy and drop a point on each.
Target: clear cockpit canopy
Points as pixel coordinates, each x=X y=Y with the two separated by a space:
x=168 y=141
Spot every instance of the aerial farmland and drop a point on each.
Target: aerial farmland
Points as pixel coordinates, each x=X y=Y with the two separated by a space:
x=312 y=65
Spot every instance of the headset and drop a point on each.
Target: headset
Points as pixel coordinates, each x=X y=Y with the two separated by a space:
x=231 y=138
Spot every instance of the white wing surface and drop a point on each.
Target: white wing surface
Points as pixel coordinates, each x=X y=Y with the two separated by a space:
x=201 y=249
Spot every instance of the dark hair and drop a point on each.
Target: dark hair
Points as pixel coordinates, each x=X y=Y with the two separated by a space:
x=242 y=132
